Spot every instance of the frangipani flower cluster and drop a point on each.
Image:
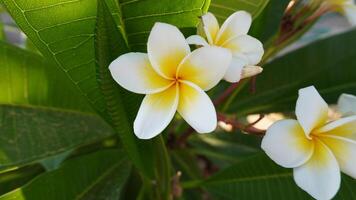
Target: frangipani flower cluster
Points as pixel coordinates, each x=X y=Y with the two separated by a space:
x=175 y=79
x=246 y=50
x=316 y=149
x=345 y=7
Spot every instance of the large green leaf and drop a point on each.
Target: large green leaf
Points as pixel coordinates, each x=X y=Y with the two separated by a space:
x=332 y=72
x=99 y=175
x=29 y=134
x=222 y=9
x=260 y=178
x=64 y=31
x=26 y=79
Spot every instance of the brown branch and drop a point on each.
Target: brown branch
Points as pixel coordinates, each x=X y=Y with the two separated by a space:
x=253 y=85
x=258 y=120
x=226 y=93
x=245 y=128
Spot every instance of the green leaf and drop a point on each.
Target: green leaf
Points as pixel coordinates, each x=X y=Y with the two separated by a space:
x=185 y=161
x=266 y=25
x=2 y=33
x=222 y=9
x=332 y=72
x=260 y=178
x=67 y=37
x=29 y=134
x=225 y=148
x=16 y=177
x=100 y=175
x=26 y=79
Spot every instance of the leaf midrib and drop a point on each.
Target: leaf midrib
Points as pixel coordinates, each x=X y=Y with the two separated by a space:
x=98 y=179
x=255 y=178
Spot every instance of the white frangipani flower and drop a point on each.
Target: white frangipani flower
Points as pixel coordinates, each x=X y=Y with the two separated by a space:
x=345 y=7
x=347 y=104
x=173 y=79
x=246 y=50
x=316 y=149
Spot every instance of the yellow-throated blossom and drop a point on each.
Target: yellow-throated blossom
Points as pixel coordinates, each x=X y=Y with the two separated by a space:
x=345 y=7
x=247 y=51
x=173 y=79
x=317 y=149
x=347 y=104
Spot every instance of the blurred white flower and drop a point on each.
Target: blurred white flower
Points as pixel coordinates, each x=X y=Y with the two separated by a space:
x=345 y=7
x=316 y=149
x=347 y=104
x=173 y=79
x=246 y=50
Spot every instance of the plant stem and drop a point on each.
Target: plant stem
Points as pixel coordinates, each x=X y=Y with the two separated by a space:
x=226 y=93
x=182 y=140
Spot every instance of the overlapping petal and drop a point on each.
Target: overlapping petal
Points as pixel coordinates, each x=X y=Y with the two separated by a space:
x=234 y=71
x=286 y=144
x=196 y=108
x=347 y=104
x=166 y=49
x=345 y=152
x=197 y=40
x=247 y=46
x=344 y=127
x=237 y=24
x=210 y=26
x=205 y=67
x=155 y=113
x=311 y=109
x=134 y=72
x=320 y=176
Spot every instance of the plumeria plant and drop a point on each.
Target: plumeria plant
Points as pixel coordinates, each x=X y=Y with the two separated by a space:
x=173 y=99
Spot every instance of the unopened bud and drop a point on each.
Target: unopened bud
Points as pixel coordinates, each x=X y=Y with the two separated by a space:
x=250 y=71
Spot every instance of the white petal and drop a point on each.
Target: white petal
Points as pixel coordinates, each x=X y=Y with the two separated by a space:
x=237 y=24
x=345 y=152
x=347 y=104
x=311 y=109
x=234 y=72
x=248 y=46
x=320 y=176
x=344 y=127
x=134 y=72
x=166 y=49
x=285 y=143
x=196 y=108
x=211 y=26
x=205 y=66
x=197 y=40
x=350 y=13
x=155 y=113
